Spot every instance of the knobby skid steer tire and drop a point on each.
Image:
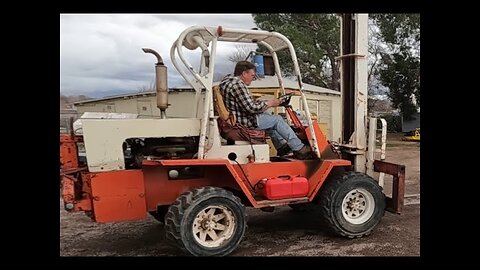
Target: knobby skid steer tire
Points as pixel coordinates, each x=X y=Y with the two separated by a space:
x=352 y=204
x=206 y=221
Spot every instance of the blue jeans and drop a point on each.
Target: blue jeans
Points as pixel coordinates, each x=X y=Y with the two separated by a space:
x=279 y=131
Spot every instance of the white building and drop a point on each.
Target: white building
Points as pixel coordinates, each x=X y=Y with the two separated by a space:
x=322 y=102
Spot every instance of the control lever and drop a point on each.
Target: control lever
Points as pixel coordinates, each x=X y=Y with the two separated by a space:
x=285 y=99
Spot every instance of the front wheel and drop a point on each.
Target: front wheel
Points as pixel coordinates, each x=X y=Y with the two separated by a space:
x=352 y=204
x=207 y=221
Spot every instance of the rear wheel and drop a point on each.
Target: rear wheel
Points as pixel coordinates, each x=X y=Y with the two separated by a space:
x=352 y=204
x=207 y=221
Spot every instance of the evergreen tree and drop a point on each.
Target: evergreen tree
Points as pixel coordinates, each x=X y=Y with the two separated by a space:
x=399 y=67
x=316 y=39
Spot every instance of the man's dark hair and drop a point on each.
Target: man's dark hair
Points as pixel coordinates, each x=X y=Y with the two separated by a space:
x=242 y=66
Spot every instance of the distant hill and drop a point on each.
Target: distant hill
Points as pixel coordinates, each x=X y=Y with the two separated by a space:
x=66 y=101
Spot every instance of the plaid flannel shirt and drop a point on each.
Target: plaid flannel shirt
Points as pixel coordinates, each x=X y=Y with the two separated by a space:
x=240 y=101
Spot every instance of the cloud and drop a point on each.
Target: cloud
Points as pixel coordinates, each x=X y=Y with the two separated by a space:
x=101 y=53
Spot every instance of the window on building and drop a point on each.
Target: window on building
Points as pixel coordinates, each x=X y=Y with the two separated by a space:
x=144 y=108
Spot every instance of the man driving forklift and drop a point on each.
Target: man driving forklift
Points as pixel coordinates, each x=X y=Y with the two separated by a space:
x=251 y=112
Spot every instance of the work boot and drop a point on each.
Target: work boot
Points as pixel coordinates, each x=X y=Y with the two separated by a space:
x=304 y=153
x=283 y=150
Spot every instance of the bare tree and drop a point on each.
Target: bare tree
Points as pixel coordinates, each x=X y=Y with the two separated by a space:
x=374 y=48
x=66 y=102
x=146 y=88
x=241 y=53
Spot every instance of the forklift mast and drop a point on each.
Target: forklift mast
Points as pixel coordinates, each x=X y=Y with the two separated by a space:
x=355 y=145
x=353 y=85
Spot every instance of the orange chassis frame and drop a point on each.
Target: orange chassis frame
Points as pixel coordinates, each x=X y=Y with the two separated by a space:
x=130 y=194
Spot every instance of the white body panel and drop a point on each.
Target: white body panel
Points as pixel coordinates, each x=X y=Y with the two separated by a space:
x=104 y=137
x=262 y=152
x=77 y=125
x=243 y=149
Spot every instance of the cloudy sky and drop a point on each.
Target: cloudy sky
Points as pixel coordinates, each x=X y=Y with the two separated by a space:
x=100 y=54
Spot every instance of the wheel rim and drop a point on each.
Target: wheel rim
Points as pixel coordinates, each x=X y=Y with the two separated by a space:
x=358 y=206
x=213 y=225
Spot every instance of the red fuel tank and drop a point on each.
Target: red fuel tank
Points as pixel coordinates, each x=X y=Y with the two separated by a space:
x=283 y=187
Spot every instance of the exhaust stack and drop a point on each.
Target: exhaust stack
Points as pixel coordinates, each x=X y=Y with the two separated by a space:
x=161 y=83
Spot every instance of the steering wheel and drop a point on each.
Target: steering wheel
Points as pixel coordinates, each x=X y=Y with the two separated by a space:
x=285 y=99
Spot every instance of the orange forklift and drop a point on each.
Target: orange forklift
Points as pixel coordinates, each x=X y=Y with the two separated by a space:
x=186 y=175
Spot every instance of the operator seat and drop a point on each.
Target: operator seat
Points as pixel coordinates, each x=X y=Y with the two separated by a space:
x=228 y=126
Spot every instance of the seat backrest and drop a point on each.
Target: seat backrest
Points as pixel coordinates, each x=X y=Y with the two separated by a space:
x=220 y=108
x=229 y=128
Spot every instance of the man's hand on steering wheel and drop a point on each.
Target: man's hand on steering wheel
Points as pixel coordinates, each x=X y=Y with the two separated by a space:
x=285 y=99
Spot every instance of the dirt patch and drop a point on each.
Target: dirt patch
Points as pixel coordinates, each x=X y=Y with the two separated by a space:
x=281 y=233
x=405 y=153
